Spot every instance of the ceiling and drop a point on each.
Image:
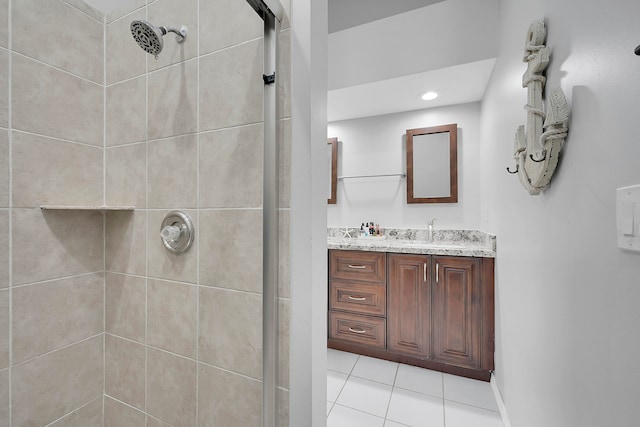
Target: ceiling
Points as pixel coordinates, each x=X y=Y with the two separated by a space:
x=345 y=14
x=384 y=65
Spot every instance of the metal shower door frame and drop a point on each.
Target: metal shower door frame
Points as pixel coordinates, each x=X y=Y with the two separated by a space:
x=271 y=12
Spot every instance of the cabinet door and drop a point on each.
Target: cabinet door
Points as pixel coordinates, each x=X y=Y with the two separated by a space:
x=408 y=312
x=457 y=311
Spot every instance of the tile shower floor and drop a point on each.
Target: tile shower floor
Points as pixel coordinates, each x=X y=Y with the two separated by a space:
x=367 y=392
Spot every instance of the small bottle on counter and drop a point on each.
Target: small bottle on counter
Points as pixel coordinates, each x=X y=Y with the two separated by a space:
x=362 y=229
x=377 y=229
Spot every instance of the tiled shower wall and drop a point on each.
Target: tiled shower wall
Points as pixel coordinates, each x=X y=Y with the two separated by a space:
x=98 y=322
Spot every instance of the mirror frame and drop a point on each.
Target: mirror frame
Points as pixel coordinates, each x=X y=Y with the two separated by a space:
x=334 y=170
x=453 y=163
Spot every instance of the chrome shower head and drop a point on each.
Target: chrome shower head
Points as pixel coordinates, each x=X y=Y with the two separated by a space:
x=149 y=37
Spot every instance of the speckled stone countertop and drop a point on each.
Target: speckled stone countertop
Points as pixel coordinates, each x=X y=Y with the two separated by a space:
x=472 y=243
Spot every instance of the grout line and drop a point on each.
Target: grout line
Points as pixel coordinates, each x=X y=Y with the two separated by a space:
x=108 y=396
x=64 y=347
x=146 y=230
x=86 y=13
x=198 y=219
x=52 y=423
x=68 y=141
x=62 y=70
x=10 y=147
x=104 y=217
x=57 y=279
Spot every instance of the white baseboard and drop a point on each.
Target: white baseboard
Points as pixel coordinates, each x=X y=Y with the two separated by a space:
x=501 y=408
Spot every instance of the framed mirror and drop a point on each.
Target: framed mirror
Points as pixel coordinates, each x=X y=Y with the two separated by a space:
x=332 y=156
x=432 y=164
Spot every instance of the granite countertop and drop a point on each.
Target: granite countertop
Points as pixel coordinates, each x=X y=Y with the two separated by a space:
x=472 y=243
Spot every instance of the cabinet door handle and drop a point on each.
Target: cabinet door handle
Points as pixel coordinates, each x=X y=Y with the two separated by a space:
x=356 y=298
x=357 y=331
x=360 y=267
x=424 y=272
x=437 y=268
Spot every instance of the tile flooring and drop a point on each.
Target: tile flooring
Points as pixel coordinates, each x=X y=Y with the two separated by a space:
x=367 y=392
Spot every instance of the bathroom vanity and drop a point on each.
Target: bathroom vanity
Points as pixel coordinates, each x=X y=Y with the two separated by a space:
x=419 y=302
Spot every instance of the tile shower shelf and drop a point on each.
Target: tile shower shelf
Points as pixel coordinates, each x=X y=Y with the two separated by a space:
x=86 y=208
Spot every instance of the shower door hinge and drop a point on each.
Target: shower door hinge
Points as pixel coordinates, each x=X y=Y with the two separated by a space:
x=270 y=79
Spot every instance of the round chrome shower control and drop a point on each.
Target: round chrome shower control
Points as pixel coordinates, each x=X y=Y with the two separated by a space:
x=177 y=232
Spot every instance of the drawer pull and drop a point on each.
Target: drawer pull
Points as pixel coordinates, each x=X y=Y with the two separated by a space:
x=359 y=267
x=437 y=268
x=356 y=298
x=357 y=331
x=424 y=272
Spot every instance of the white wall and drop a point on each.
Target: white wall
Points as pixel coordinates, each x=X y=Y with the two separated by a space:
x=376 y=145
x=567 y=334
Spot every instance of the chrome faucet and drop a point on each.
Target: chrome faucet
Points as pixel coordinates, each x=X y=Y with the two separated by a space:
x=431 y=229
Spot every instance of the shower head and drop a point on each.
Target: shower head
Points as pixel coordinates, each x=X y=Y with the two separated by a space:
x=149 y=37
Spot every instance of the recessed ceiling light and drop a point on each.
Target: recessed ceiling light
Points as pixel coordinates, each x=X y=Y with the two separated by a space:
x=429 y=96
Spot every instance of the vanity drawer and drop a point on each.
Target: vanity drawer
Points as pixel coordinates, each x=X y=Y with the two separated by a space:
x=358 y=329
x=358 y=297
x=357 y=265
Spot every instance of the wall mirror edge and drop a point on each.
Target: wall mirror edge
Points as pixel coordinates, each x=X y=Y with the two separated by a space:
x=333 y=172
x=452 y=130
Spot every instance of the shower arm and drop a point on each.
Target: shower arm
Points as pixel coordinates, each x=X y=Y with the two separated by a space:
x=180 y=33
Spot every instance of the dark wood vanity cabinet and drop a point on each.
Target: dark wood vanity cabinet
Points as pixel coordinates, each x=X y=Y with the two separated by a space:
x=439 y=311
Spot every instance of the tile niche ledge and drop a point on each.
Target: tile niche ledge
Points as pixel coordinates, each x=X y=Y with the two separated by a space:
x=100 y=208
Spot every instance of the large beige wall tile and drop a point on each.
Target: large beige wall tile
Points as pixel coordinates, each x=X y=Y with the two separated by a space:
x=51 y=102
x=225 y=398
x=46 y=388
x=60 y=35
x=172 y=100
x=284 y=163
x=129 y=7
x=283 y=407
x=171 y=13
x=124 y=377
x=53 y=244
x=4 y=253
x=230 y=92
x=118 y=415
x=124 y=58
x=171 y=388
x=86 y=8
x=125 y=176
x=246 y=24
x=154 y=422
x=284 y=334
x=4 y=88
x=51 y=315
x=125 y=306
x=230 y=333
x=127 y=112
x=230 y=167
x=284 y=74
x=231 y=249
x=4 y=329
x=4 y=398
x=126 y=234
x=54 y=172
x=172 y=173
x=284 y=254
x=88 y=415
x=4 y=168
x=162 y=264
x=4 y=23
x=172 y=315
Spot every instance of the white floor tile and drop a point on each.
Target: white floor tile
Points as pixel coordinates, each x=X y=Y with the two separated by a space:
x=341 y=361
x=419 y=380
x=341 y=416
x=367 y=396
x=335 y=383
x=373 y=369
x=329 y=406
x=388 y=423
x=470 y=392
x=459 y=415
x=416 y=409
